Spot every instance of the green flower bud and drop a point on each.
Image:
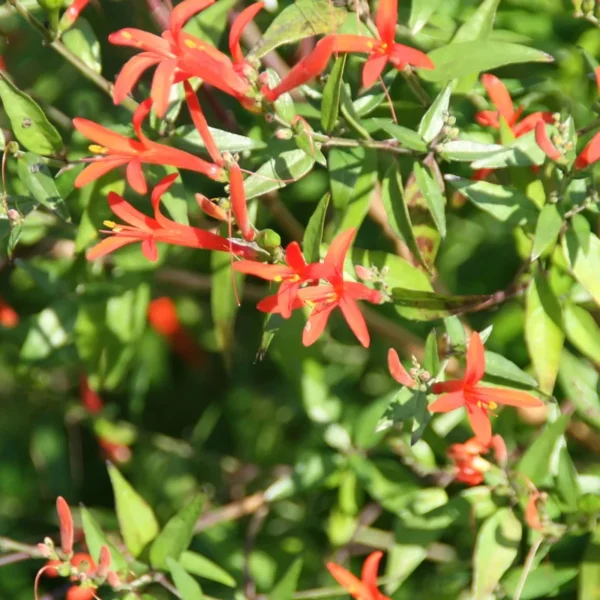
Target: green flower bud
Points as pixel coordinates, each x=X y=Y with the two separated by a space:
x=268 y=239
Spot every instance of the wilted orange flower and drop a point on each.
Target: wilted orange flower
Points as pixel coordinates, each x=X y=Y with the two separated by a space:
x=477 y=400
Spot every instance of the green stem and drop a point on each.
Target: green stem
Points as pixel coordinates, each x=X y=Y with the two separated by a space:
x=58 y=46
x=387 y=146
x=8 y=545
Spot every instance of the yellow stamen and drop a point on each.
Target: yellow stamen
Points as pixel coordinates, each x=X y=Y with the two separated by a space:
x=110 y=224
x=309 y=304
x=96 y=149
x=189 y=44
x=370 y=45
x=492 y=405
x=126 y=35
x=277 y=278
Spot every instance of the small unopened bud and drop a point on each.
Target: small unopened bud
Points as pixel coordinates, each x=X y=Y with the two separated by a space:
x=113 y=579
x=284 y=134
x=268 y=239
x=13 y=214
x=269 y=117
x=425 y=376
x=413 y=372
x=44 y=550
x=364 y=273
x=104 y=562
x=66 y=525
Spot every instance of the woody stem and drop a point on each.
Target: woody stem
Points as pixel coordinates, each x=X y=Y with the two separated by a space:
x=388 y=146
x=59 y=47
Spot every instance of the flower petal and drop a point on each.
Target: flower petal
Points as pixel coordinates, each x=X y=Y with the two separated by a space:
x=475 y=360
x=149 y=249
x=529 y=122
x=353 y=43
x=402 y=55
x=135 y=176
x=137 y=38
x=161 y=188
x=239 y=206
x=480 y=423
x=448 y=402
x=132 y=216
x=502 y=396
x=317 y=321
x=104 y=137
x=386 y=19
x=355 y=320
x=238 y=26
x=262 y=270
x=139 y=116
x=108 y=245
x=359 y=291
x=336 y=254
x=369 y=572
x=286 y=298
x=184 y=11
x=543 y=141
x=130 y=74
x=397 y=370
x=590 y=154
x=499 y=96
x=488 y=118
x=373 y=68
x=97 y=169
x=450 y=386
x=352 y=584
x=294 y=257
x=163 y=80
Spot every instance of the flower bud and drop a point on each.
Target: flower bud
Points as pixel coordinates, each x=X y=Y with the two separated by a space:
x=268 y=239
x=13 y=215
x=364 y=273
x=284 y=134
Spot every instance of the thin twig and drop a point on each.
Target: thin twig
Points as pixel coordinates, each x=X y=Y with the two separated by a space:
x=15 y=557
x=231 y=512
x=59 y=47
x=9 y=545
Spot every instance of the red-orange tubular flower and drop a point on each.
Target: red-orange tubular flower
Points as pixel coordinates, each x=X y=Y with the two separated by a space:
x=501 y=99
x=476 y=399
x=545 y=143
x=8 y=316
x=117 y=150
x=337 y=293
x=364 y=588
x=72 y=14
x=148 y=231
x=470 y=466
x=397 y=370
x=179 y=57
x=292 y=276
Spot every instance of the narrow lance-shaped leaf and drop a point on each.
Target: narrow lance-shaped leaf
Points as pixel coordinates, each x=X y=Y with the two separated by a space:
x=436 y=202
x=81 y=40
x=186 y=585
x=28 y=121
x=407 y=137
x=543 y=332
x=176 y=534
x=287 y=585
x=420 y=13
x=313 y=235
x=582 y=331
x=546 y=230
x=589 y=576
x=584 y=263
x=136 y=520
x=199 y=565
x=330 y=107
x=433 y=120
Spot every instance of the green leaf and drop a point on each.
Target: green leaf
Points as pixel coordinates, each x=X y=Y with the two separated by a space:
x=304 y=18
x=589 y=576
x=546 y=230
x=187 y=138
x=582 y=331
x=436 y=202
x=537 y=460
x=28 y=121
x=344 y=166
x=456 y=331
x=522 y=152
x=226 y=287
x=504 y=204
x=585 y=265
x=370 y=99
x=580 y=383
x=81 y=40
x=407 y=137
x=433 y=120
x=427 y=306
x=202 y=567
x=330 y=106
x=288 y=584
x=420 y=12
x=48 y=331
x=186 y=585
x=176 y=534
x=567 y=484
x=464 y=58
x=136 y=520
x=480 y=24
x=313 y=235
x=284 y=105
x=95 y=538
x=544 y=581
x=499 y=367
x=496 y=548
x=277 y=172
x=543 y=332
x=36 y=177
x=431 y=360
x=467 y=151
x=392 y=197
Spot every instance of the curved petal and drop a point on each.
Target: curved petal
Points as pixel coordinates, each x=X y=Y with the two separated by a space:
x=108 y=245
x=139 y=116
x=336 y=254
x=359 y=291
x=362 y=44
x=529 y=122
x=238 y=26
x=184 y=11
x=590 y=154
x=402 y=55
x=149 y=249
x=104 y=137
x=499 y=96
x=502 y=396
x=159 y=189
x=444 y=387
x=386 y=19
x=294 y=257
x=130 y=74
x=317 y=293
x=543 y=141
x=475 y=360
x=447 y=402
x=286 y=298
x=317 y=321
x=96 y=170
x=262 y=270
x=201 y=125
x=270 y=304
x=355 y=320
x=137 y=38
x=397 y=370
x=488 y=118
x=373 y=68
x=216 y=72
x=135 y=176
x=239 y=206
x=131 y=215
x=480 y=423
x=163 y=79
x=166 y=155
x=190 y=44
x=352 y=584
x=369 y=572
